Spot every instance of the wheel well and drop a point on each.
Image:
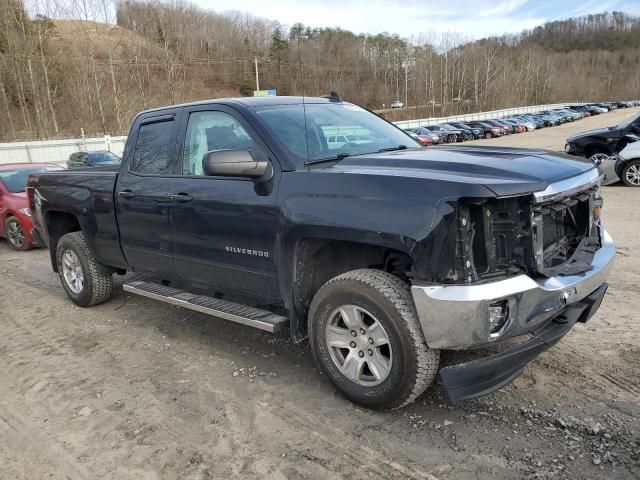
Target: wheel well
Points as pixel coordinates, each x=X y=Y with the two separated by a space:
x=59 y=224
x=319 y=260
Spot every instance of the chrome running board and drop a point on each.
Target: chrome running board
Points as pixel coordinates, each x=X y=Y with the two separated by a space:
x=253 y=317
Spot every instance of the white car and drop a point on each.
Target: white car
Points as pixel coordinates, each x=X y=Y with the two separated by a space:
x=397 y=104
x=337 y=141
x=625 y=165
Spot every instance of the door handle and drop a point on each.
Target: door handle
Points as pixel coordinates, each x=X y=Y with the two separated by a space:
x=181 y=197
x=126 y=194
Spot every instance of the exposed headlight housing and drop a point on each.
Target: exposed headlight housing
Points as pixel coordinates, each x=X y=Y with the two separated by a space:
x=498 y=317
x=26 y=211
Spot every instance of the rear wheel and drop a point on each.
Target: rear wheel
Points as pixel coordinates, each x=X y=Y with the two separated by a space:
x=16 y=235
x=85 y=281
x=365 y=336
x=631 y=173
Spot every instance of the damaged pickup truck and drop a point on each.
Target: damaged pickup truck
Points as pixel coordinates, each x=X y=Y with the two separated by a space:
x=378 y=251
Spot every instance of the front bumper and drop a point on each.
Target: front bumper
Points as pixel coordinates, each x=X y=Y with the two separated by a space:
x=456 y=317
x=480 y=377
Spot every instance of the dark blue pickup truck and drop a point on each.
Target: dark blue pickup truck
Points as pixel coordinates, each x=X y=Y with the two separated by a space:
x=316 y=217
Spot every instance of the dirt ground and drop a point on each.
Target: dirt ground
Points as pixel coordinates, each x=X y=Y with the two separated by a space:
x=136 y=389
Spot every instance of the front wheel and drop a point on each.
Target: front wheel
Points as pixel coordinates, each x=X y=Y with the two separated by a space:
x=85 y=281
x=488 y=135
x=365 y=336
x=631 y=173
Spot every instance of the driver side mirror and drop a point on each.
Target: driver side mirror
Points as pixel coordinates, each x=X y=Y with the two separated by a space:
x=235 y=163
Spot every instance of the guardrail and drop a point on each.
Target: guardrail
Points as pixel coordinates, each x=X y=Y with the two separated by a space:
x=57 y=151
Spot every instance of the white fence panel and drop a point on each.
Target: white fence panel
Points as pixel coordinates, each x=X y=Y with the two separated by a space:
x=56 y=151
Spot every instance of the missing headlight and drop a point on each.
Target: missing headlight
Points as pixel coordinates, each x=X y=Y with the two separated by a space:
x=498 y=317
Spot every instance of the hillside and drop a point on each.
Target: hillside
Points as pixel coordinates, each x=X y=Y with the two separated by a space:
x=60 y=76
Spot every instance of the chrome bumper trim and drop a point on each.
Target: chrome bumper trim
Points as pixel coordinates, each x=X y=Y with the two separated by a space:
x=568 y=187
x=455 y=316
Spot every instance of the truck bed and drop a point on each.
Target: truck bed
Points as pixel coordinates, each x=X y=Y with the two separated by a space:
x=87 y=194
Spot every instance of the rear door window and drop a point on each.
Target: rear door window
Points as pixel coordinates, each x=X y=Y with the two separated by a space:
x=152 y=152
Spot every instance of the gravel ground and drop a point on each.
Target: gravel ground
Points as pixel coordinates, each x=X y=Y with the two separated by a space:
x=136 y=389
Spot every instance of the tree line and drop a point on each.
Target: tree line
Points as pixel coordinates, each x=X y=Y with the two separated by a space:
x=89 y=65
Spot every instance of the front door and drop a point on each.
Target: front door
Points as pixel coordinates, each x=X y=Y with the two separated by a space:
x=142 y=194
x=224 y=229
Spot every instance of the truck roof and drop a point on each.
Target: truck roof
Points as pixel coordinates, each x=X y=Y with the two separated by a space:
x=249 y=102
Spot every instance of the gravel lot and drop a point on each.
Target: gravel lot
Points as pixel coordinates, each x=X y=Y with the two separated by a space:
x=136 y=389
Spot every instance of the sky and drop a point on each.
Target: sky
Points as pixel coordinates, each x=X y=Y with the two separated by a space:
x=410 y=18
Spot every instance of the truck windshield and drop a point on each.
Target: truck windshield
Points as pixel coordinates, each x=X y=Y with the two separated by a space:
x=16 y=180
x=321 y=131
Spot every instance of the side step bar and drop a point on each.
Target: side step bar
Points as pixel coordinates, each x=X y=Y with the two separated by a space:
x=253 y=317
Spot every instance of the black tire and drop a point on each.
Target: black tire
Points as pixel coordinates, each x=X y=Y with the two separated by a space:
x=414 y=365
x=629 y=171
x=488 y=135
x=15 y=234
x=97 y=282
x=451 y=139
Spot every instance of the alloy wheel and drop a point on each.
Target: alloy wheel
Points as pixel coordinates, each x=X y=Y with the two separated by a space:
x=632 y=174
x=359 y=346
x=15 y=233
x=72 y=272
x=598 y=158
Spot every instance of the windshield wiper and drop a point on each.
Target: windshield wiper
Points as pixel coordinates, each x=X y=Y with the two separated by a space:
x=337 y=158
x=393 y=149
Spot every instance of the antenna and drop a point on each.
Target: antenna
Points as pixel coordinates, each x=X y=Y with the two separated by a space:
x=333 y=96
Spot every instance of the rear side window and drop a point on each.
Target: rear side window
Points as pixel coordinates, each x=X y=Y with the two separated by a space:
x=152 y=153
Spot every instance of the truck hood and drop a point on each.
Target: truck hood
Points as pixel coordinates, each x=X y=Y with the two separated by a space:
x=505 y=171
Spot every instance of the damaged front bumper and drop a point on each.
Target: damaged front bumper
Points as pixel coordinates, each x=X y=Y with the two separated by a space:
x=457 y=317
x=467 y=381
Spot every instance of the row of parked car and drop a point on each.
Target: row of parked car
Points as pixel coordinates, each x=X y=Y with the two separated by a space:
x=452 y=132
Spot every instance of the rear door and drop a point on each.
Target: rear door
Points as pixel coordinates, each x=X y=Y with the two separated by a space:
x=142 y=193
x=224 y=228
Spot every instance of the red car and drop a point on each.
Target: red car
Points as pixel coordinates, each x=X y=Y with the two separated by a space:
x=15 y=215
x=422 y=138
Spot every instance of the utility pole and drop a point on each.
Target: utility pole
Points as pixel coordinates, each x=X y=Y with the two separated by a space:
x=257 y=78
x=406 y=85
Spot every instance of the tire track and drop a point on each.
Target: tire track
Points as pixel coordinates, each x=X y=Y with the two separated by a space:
x=368 y=460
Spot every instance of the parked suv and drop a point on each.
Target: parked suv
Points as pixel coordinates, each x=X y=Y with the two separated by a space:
x=490 y=131
x=476 y=132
